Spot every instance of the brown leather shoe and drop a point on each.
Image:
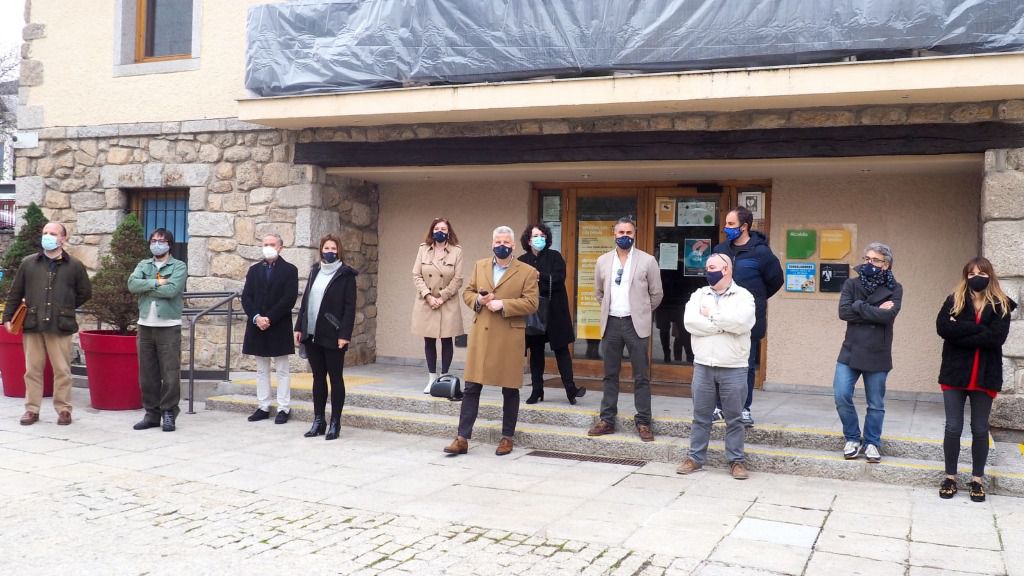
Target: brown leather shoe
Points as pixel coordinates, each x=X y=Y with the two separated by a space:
x=29 y=418
x=601 y=428
x=64 y=418
x=738 y=470
x=458 y=446
x=504 y=447
x=645 y=432
x=688 y=466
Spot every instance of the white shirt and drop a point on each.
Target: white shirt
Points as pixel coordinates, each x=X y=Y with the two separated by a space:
x=619 y=293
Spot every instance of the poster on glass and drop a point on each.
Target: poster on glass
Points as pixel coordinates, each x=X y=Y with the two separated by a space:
x=697 y=251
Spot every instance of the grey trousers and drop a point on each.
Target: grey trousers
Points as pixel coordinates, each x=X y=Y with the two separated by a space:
x=160 y=369
x=618 y=334
x=729 y=384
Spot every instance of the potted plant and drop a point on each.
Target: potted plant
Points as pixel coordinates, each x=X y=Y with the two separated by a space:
x=12 y=354
x=111 y=356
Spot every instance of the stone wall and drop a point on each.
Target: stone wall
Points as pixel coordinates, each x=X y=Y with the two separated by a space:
x=241 y=185
x=1002 y=217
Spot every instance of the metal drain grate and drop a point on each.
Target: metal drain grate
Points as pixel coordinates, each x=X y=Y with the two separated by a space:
x=586 y=458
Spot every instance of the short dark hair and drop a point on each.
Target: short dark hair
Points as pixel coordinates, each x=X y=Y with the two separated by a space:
x=524 y=241
x=164 y=232
x=331 y=238
x=452 y=238
x=745 y=216
x=626 y=220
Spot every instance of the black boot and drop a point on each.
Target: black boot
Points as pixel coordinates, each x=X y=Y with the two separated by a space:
x=572 y=392
x=537 y=395
x=317 y=428
x=332 y=430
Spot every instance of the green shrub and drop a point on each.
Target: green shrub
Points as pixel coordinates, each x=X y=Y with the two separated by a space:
x=111 y=302
x=25 y=243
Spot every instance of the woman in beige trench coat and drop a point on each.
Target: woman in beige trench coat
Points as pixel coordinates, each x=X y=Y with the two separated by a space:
x=436 y=314
x=502 y=292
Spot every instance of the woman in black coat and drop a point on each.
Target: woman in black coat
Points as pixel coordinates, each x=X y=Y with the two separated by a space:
x=973 y=323
x=324 y=327
x=559 y=332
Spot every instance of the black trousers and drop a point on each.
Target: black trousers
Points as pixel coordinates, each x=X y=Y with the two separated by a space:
x=981 y=408
x=326 y=362
x=447 y=353
x=535 y=344
x=471 y=407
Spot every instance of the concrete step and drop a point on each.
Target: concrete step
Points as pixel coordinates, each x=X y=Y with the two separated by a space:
x=560 y=413
x=1007 y=477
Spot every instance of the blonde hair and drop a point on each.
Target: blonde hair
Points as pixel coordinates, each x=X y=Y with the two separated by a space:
x=993 y=293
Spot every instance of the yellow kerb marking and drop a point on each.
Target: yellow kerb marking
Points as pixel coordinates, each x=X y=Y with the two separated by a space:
x=304 y=381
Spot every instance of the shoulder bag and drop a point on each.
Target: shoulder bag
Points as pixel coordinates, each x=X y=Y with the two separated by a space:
x=537 y=323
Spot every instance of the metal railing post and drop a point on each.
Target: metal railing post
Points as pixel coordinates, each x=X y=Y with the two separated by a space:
x=229 y=300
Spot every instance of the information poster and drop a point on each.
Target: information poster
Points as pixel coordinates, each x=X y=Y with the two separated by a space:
x=697 y=251
x=595 y=238
x=800 y=276
x=556 y=236
x=668 y=256
x=696 y=213
x=753 y=201
x=835 y=244
x=801 y=244
x=551 y=209
x=666 y=212
x=833 y=276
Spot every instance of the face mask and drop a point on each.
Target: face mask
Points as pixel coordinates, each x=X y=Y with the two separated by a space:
x=159 y=248
x=714 y=277
x=440 y=237
x=977 y=283
x=269 y=252
x=624 y=242
x=732 y=233
x=329 y=257
x=502 y=252
x=49 y=242
x=869 y=269
x=539 y=243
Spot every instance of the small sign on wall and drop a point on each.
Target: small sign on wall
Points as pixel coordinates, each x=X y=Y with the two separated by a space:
x=833 y=276
x=800 y=276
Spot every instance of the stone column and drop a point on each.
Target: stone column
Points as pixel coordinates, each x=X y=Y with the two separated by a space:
x=1002 y=223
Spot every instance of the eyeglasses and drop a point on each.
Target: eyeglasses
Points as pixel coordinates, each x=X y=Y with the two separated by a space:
x=875 y=261
x=618 y=276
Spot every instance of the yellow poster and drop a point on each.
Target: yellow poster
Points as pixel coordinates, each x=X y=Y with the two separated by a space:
x=595 y=238
x=666 y=215
x=835 y=244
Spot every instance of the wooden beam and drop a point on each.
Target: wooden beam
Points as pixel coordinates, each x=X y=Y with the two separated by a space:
x=833 y=142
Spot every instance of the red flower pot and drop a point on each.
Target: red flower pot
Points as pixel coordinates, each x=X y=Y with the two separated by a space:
x=12 y=366
x=112 y=365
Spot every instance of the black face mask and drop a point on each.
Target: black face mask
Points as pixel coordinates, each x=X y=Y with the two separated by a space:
x=977 y=283
x=329 y=257
x=440 y=237
x=502 y=252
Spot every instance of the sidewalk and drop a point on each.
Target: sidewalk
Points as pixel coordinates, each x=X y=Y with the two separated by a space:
x=222 y=495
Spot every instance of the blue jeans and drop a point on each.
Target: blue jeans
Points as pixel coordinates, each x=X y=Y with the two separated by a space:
x=874 y=389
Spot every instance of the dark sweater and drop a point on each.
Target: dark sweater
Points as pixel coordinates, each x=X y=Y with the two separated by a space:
x=962 y=336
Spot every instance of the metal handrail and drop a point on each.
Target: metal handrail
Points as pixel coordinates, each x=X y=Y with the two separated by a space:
x=226 y=298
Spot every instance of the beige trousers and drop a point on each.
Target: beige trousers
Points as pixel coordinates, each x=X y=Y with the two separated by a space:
x=39 y=346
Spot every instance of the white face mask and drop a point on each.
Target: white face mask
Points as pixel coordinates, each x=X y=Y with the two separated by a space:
x=269 y=252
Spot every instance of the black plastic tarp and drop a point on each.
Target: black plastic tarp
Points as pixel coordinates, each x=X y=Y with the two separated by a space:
x=329 y=46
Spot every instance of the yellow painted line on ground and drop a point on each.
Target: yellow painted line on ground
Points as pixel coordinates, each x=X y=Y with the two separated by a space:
x=1021 y=447
x=304 y=381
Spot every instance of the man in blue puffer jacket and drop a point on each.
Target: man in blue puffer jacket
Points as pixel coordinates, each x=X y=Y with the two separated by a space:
x=757 y=269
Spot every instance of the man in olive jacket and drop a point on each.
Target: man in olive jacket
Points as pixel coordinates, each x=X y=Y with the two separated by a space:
x=52 y=284
x=159 y=281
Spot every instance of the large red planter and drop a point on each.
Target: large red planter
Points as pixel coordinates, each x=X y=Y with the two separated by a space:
x=112 y=365
x=12 y=366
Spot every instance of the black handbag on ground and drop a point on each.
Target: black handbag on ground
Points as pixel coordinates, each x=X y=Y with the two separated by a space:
x=537 y=323
x=447 y=386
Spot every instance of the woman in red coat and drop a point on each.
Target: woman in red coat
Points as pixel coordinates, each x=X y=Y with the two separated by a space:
x=973 y=323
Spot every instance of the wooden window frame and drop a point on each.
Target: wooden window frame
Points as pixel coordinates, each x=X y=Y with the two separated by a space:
x=141 y=22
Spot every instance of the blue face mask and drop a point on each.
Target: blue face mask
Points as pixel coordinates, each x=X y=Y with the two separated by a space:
x=440 y=237
x=49 y=242
x=502 y=252
x=732 y=233
x=159 y=248
x=624 y=242
x=714 y=277
x=329 y=257
x=539 y=243
x=869 y=270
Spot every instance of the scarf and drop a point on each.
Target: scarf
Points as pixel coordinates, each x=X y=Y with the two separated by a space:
x=871 y=283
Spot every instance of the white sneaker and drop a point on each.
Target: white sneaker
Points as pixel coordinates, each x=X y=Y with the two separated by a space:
x=430 y=380
x=746 y=418
x=872 y=454
x=717 y=416
x=851 y=450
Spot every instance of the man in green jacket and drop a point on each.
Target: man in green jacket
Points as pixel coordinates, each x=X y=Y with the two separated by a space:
x=159 y=282
x=52 y=284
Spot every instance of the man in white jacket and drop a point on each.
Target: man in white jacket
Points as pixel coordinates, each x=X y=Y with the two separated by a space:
x=719 y=317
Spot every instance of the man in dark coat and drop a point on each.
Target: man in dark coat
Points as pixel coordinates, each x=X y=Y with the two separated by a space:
x=757 y=269
x=271 y=288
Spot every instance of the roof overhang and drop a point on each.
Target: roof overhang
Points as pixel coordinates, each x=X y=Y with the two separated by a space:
x=921 y=80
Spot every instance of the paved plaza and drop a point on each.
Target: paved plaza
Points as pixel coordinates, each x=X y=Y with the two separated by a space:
x=225 y=496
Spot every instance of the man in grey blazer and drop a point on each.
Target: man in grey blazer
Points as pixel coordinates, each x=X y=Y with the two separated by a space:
x=627 y=283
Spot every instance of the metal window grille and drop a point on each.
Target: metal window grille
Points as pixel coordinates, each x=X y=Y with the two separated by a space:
x=164 y=209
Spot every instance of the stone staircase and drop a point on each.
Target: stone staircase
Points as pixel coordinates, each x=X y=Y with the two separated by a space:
x=557 y=426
